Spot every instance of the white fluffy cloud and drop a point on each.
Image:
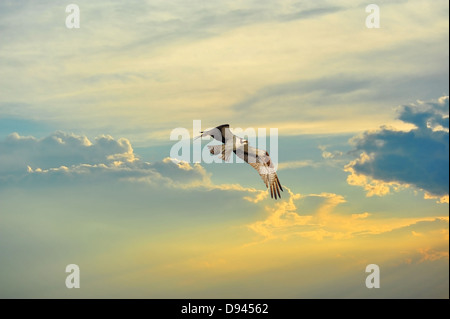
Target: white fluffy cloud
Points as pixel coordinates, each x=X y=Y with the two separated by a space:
x=69 y=158
x=60 y=149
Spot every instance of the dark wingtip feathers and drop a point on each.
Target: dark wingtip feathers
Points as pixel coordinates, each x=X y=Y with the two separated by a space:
x=278 y=181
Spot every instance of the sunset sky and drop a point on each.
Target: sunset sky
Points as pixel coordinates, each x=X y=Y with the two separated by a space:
x=363 y=149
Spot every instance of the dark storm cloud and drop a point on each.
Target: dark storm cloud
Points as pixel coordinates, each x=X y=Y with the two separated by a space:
x=418 y=157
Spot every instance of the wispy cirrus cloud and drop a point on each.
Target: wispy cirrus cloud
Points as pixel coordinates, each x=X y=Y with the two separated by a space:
x=297 y=164
x=132 y=66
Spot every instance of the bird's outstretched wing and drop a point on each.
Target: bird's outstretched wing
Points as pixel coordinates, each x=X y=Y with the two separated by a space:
x=260 y=160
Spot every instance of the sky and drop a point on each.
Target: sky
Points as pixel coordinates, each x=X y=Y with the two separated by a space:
x=362 y=145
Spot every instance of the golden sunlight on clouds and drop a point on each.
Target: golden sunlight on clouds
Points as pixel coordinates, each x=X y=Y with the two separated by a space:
x=439 y=199
x=372 y=186
x=288 y=219
x=142 y=225
x=432 y=255
x=363 y=215
x=297 y=264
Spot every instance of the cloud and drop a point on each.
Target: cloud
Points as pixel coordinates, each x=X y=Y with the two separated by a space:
x=66 y=153
x=69 y=158
x=297 y=164
x=432 y=254
x=439 y=199
x=362 y=215
x=392 y=159
x=329 y=155
x=17 y=152
x=284 y=220
x=372 y=186
x=150 y=220
x=426 y=254
x=132 y=65
x=316 y=217
x=326 y=87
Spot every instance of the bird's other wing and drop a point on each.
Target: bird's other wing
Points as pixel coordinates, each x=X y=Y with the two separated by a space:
x=218 y=133
x=260 y=160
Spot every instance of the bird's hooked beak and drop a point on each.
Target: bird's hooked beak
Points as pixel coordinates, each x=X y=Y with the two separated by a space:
x=201 y=134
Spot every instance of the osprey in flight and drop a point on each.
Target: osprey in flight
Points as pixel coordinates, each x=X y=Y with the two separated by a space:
x=258 y=159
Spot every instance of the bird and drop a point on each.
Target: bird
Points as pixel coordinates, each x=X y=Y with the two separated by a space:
x=259 y=159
